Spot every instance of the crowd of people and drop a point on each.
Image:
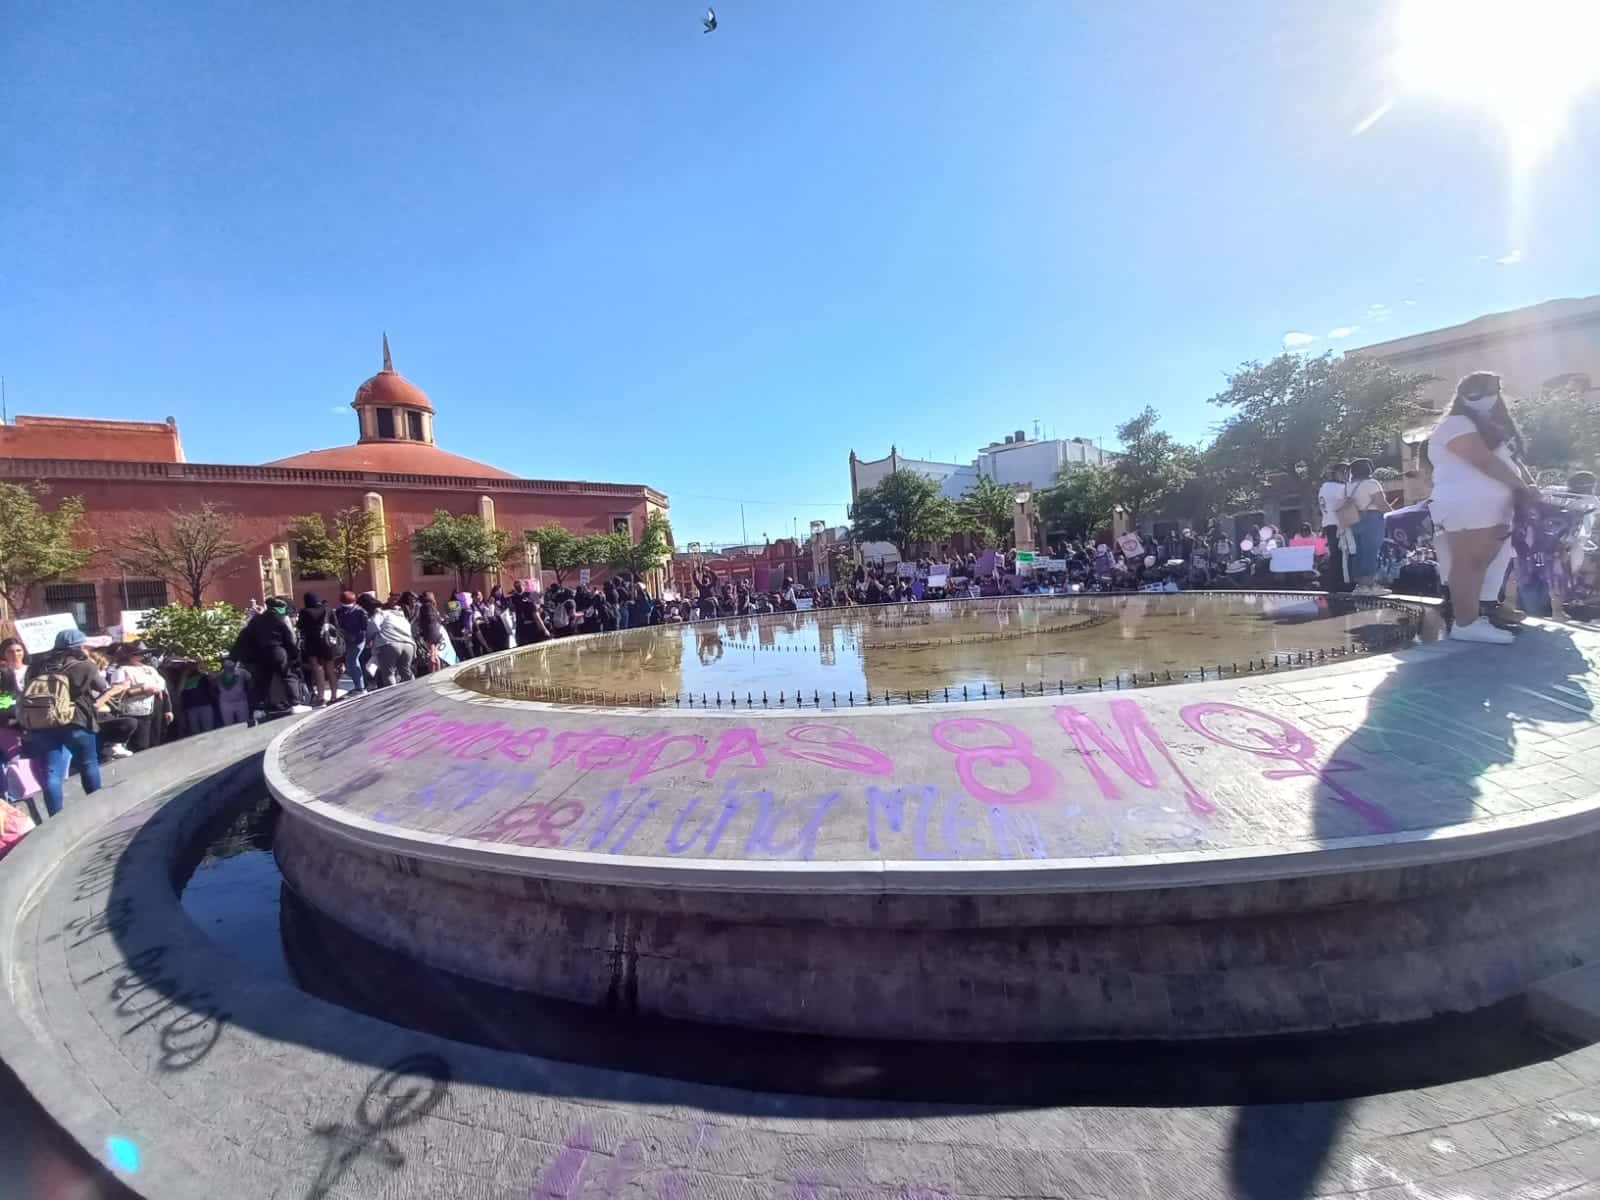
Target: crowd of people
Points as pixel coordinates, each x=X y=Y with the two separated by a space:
x=86 y=700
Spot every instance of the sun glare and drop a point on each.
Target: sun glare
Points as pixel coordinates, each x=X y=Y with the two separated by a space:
x=1525 y=61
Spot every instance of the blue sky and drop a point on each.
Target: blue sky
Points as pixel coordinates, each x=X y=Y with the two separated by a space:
x=611 y=247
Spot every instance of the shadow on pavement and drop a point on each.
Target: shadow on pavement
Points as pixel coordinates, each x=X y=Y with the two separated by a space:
x=1452 y=717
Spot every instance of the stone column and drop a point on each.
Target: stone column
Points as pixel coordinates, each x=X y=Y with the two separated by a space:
x=377 y=552
x=282 y=570
x=486 y=511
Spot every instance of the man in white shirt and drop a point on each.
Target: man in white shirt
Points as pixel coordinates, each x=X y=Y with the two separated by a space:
x=1335 y=487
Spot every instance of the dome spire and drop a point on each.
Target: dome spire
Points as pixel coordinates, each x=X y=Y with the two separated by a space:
x=388 y=363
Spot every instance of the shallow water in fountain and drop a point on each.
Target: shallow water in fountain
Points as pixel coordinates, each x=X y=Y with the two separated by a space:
x=1011 y=643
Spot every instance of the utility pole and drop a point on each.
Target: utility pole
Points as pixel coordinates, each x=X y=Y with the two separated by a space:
x=743 y=532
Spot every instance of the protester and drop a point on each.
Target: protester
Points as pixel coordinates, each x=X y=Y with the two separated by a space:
x=145 y=699
x=197 y=698
x=1476 y=484
x=268 y=649
x=1370 y=502
x=116 y=731
x=394 y=644
x=352 y=622
x=232 y=686
x=322 y=649
x=60 y=710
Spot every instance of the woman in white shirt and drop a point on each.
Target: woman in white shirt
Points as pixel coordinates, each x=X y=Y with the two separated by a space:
x=1476 y=483
x=1372 y=503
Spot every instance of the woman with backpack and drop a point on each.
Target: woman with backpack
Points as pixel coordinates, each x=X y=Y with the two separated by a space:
x=321 y=650
x=60 y=712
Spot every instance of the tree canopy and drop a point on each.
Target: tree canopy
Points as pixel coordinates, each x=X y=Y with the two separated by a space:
x=341 y=550
x=903 y=509
x=652 y=549
x=36 y=544
x=988 y=509
x=1080 y=504
x=465 y=544
x=561 y=551
x=1560 y=428
x=1297 y=416
x=191 y=549
x=1152 y=466
x=204 y=634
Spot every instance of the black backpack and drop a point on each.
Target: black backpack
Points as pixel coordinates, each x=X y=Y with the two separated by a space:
x=332 y=637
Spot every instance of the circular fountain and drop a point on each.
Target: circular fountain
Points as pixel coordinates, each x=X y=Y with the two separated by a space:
x=964 y=820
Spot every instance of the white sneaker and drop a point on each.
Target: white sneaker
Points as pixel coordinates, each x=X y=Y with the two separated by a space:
x=1481 y=631
x=260 y=714
x=118 y=750
x=297 y=709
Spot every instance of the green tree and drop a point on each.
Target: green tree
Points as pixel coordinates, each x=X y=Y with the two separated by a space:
x=561 y=551
x=36 y=544
x=342 y=550
x=1560 y=427
x=652 y=549
x=204 y=634
x=1295 y=416
x=1080 y=504
x=903 y=509
x=1152 y=464
x=1214 y=486
x=190 y=549
x=466 y=544
x=989 y=509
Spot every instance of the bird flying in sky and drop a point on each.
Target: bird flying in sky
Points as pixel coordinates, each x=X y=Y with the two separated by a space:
x=709 y=20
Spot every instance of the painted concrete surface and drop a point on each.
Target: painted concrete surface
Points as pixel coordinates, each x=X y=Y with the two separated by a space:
x=196 y=1077
x=1436 y=750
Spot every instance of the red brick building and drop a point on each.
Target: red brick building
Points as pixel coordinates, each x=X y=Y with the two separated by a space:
x=130 y=472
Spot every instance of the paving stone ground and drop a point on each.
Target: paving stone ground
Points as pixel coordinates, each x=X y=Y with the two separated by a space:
x=147 y=1041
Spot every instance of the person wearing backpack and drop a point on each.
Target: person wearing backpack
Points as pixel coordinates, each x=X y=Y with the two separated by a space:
x=60 y=711
x=321 y=650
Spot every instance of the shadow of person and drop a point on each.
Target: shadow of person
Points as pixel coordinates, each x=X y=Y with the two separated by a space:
x=1449 y=734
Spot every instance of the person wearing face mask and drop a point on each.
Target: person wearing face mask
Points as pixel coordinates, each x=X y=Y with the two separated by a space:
x=1476 y=484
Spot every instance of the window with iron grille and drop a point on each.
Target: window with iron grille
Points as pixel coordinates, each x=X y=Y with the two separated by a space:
x=76 y=598
x=424 y=567
x=143 y=593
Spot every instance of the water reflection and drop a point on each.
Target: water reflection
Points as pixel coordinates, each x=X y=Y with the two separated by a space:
x=1009 y=642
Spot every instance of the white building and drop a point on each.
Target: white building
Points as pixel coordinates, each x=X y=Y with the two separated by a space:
x=1018 y=460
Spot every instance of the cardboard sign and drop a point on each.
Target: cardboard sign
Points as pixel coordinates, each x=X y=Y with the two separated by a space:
x=906 y=570
x=1131 y=545
x=133 y=620
x=38 y=634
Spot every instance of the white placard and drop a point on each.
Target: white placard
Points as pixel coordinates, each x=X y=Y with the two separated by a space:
x=938 y=579
x=906 y=570
x=1287 y=560
x=583 y=576
x=38 y=634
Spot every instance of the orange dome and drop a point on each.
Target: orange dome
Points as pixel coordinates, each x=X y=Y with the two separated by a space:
x=396 y=458
x=389 y=387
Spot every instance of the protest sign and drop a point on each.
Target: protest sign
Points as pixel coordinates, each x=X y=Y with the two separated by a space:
x=906 y=570
x=38 y=634
x=1131 y=545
